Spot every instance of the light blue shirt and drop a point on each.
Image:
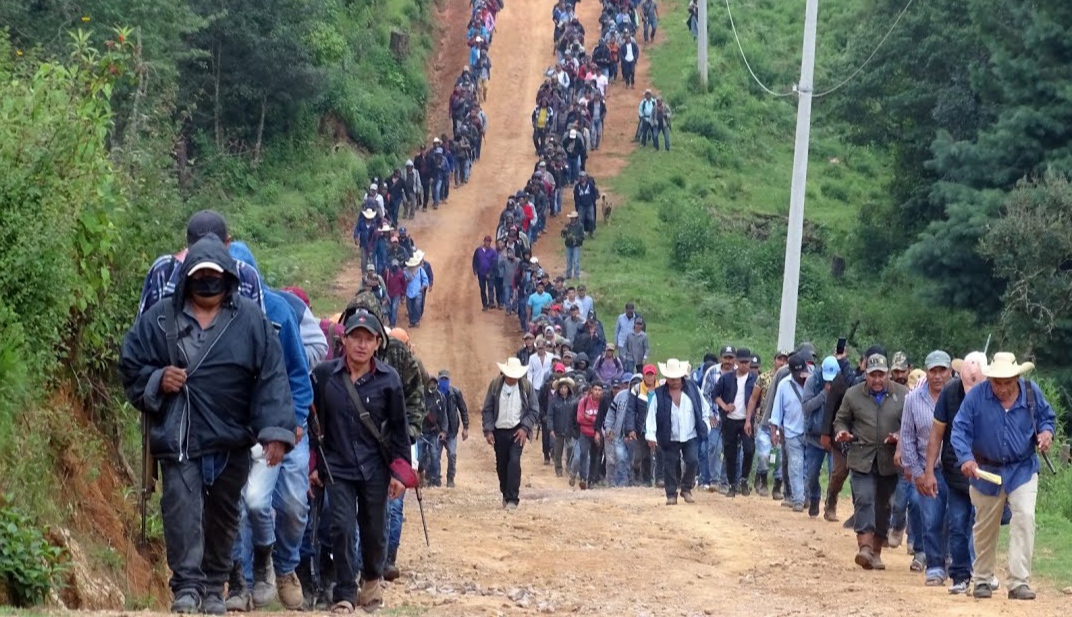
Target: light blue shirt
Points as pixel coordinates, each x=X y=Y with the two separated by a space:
x=415 y=282
x=788 y=412
x=586 y=304
x=537 y=301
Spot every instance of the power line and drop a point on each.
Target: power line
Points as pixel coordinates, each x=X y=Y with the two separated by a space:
x=824 y=92
x=745 y=58
x=877 y=47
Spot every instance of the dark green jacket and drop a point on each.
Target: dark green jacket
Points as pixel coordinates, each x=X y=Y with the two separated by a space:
x=870 y=423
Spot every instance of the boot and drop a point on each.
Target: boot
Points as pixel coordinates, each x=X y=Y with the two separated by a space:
x=761 y=485
x=263 y=576
x=391 y=572
x=308 y=583
x=876 y=555
x=324 y=598
x=238 y=598
x=830 y=512
x=776 y=494
x=865 y=554
x=744 y=490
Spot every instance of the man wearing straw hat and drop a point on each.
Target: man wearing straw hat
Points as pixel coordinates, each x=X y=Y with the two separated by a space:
x=509 y=415
x=675 y=423
x=995 y=433
x=416 y=283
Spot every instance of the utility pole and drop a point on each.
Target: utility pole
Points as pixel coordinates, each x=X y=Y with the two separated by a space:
x=787 y=324
x=701 y=41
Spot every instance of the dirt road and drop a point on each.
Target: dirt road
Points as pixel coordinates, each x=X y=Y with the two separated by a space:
x=600 y=552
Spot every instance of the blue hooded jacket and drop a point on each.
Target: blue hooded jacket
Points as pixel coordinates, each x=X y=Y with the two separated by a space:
x=280 y=313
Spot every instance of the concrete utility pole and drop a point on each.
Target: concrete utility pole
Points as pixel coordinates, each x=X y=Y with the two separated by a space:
x=787 y=324
x=701 y=40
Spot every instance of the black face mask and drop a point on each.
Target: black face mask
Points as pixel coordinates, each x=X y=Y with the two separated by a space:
x=207 y=287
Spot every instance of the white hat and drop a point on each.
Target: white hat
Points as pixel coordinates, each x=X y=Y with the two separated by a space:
x=1005 y=366
x=436 y=140
x=513 y=368
x=571 y=215
x=534 y=260
x=674 y=368
x=386 y=227
x=206 y=265
x=409 y=162
x=419 y=254
x=373 y=187
x=413 y=262
x=573 y=133
x=369 y=214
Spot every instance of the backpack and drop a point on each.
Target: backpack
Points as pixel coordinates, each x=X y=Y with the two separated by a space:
x=333 y=332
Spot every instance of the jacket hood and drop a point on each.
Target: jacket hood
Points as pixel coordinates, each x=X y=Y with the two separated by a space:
x=240 y=251
x=208 y=249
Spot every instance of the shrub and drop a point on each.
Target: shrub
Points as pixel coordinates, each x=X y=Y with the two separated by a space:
x=29 y=565
x=630 y=246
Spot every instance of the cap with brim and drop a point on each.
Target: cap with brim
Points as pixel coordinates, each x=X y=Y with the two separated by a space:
x=876 y=363
x=559 y=368
x=831 y=368
x=203 y=223
x=936 y=359
x=781 y=354
x=1004 y=366
x=728 y=352
x=572 y=215
x=744 y=353
x=206 y=265
x=370 y=268
x=527 y=336
x=444 y=374
x=363 y=320
x=625 y=378
x=513 y=368
x=900 y=361
x=797 y=364
x=674 y=368
x=564 y=381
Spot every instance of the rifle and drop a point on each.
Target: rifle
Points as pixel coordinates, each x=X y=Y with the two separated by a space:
x=424 y=524
x=148 y=479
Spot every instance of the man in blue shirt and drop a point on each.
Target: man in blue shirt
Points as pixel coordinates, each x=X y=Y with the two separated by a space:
x=416 y=283
x=996 y=431
x=538 y=300
x=788 y=425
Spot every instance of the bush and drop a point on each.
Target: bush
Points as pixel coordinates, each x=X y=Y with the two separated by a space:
x=705 y=124
x=630 y=246
x=29 y=565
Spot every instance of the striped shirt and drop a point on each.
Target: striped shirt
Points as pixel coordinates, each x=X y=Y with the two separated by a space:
x=916 y=421
x=165 y=273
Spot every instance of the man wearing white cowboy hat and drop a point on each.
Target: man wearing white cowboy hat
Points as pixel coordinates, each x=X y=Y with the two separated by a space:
x=675 y=423
x=995 y=432
x=416 y=283
x=509 y=415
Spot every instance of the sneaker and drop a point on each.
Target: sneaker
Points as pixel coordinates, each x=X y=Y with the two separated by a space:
x=186 y=603
x=798 y=507
x=982 y=590
x=290 y=591
x=958 y=589
x=787 y=503
x=212 y=604
x=687 y=497
x=706 y=488
x=731 y=492
x=671 y=501
x=572 y=480
x=895 y=537
x=722 y=488
x=1023 y=592
x=934 y=580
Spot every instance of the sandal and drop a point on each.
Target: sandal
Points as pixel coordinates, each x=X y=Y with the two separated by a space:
x=342 y=607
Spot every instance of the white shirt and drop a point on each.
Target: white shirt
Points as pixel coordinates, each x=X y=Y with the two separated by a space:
x=629 y=53
x=587 y=304
x=509 y=407
x=539 y=369
x=601 y=83
x=682 y=419
x=739 y=409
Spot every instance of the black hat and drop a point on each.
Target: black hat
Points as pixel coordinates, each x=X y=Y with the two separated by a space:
x=363 y=319
x=728 y=351
x=203 y=223
x=797 y=364
x=744 y=353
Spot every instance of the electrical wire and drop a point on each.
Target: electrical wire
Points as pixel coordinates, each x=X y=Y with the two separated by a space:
x=869 y=58
x=745 y=58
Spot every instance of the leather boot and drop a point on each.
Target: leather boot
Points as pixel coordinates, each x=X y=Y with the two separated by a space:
x=238 y=598
x=776 y=494
x=876 y=555
x=308 y=583
x=391 y=572
x=761 y=485
x=830 y=512
x=866 y=551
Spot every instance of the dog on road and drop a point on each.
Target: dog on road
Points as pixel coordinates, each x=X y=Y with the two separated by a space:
x=606 y=209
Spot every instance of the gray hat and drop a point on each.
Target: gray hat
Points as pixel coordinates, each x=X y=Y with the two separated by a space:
x=363 y=319
x=937 y=358
x=877 y=364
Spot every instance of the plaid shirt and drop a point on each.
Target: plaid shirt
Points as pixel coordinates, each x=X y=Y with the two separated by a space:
x=163 y=279
x=916 y=421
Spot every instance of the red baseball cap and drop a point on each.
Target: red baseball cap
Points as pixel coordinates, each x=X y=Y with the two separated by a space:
x=560 y=368
x=649 y=369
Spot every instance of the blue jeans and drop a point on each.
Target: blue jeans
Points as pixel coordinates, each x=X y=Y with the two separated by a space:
x=511 y=296
x=522 y=313
x=960 y=518
x=282 y=489
x=703 y=448
x=452 y=456
x=619 y=462
x=597 y=132
x=573 y=262
x=574 y=168
x=794 y=450
x=813 y=458
x=935 y=538
x=665 y=132
x=556 y=206
x=429 y=455
x=763 y=451
x=394 y=521
x=413 y=309
x=582 y=457
x=392 y=310
x=437 y=189
x=905 y=512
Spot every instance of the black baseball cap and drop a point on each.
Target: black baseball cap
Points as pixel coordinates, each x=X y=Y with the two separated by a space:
x=744 y=353
x=728 y=352
x=797 y=364
x=204 y=223
x=363 y=319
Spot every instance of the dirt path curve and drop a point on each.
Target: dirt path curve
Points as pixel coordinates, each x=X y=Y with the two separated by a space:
x=600 y=552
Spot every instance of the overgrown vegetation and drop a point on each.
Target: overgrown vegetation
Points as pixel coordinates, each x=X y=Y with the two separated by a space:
x=118 y=119
x=29 y=565
x=920 y=184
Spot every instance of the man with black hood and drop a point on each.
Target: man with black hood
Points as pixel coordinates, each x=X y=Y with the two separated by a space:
x=206 y=368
